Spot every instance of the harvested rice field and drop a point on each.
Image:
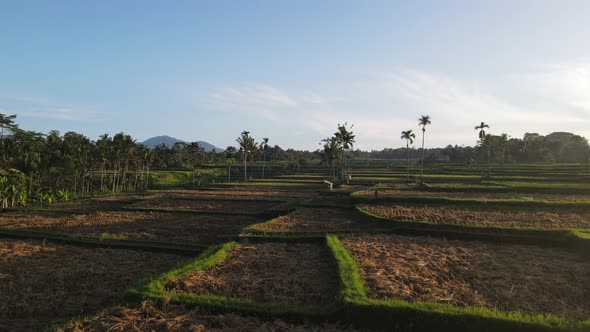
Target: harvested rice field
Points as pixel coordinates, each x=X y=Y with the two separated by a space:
x=283 y=272
x=43 y=282
x=149 y=317
x=529 y=279
x=236 y=193
x=319 y=219
x=488 y=216
x=205 y=205
x=286 y=273
x=330 y=201
x=393 y=193
x=102 y=203
x=166 y=226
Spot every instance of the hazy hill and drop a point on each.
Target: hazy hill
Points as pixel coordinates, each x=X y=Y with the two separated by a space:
x=170 y=141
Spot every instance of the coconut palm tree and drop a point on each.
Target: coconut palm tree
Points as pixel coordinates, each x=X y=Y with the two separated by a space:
x=103 y=145
x=482 y=132
x=409 y=136
x=264 y=146
x=330 y=153
x=504 y=138
x=345 y=137
x=6 y=123
x=482 y=138
x=423 y=121
x=230 y=154
x=248 y=147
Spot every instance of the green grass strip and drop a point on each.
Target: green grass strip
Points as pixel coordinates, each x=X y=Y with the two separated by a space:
x=352 y=288
x=154 y=287
x=427 y=316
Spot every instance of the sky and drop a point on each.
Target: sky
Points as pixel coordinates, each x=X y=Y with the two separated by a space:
x=292 y=70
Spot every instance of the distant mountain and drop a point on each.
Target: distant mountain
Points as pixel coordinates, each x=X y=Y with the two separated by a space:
x=170 y=141
x=209 y=147
x=157 y=140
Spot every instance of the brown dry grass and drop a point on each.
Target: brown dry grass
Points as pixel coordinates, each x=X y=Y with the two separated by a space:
x=149 y=317
x=313 y=219
x=293 y=273
x=544 y=218
x=332 y=200
x=63 y=221
x=506 y=277
x=236 y=193
x=475 y=195
x=205 y=205
x=205 y=229
x=44 y=282
x=115 y=202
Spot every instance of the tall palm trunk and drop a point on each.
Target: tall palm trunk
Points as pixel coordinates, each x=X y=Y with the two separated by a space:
x=245 y=169
x=263 y=163
x=489 y=152
x=102 y=177
x=408 y=149
x=147 y=177
x=422 y=157
x=333 y=171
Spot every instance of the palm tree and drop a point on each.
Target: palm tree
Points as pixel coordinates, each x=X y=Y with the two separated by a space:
x=103 y=145
x=423 y=121
x=264 y=146
x=330 y=153
x=482 y=132
x=247 y=145
x=6 y=123
x=482 y=138
x=409 y=136
x=345 y=137
x=504 y=138
x=230 y=153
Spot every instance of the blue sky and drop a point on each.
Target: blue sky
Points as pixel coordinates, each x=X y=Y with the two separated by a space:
x=292 y=70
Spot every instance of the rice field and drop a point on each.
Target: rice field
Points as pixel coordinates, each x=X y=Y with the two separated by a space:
x=484 y=216
x=149 y=225
x=42 y=282
x=318 y=219
x=269 y=266
x=150 y=317
x=482 y=196
x=296 y=273
x=528 y=279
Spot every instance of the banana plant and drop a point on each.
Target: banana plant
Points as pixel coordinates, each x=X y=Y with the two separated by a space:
x=63 y=195
x=4 y=191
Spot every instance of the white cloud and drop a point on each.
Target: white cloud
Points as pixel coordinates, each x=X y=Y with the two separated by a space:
x=381 y=105
x=564 y=85
x=46 y=109
x=67 y=114
x=258 y=99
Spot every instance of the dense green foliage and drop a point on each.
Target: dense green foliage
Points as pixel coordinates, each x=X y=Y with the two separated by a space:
x=561 y=147
x=336 y=152
x=46 y=168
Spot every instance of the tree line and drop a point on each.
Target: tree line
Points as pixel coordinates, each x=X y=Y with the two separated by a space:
x=49 y=167
x=45 y=168
x=559 y=147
